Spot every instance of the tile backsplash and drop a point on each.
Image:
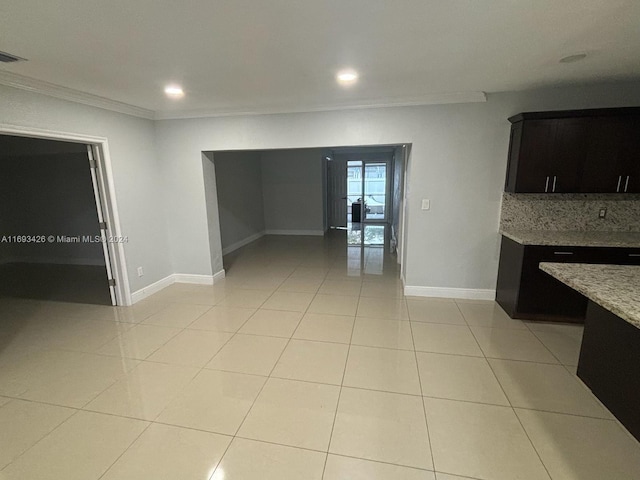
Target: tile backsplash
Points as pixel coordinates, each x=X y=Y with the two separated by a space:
x=570 y=211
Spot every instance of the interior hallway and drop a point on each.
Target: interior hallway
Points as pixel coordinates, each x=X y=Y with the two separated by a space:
x=306 y=362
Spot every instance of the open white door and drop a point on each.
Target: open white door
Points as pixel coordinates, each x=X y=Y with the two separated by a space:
x=337 y=192
x=98 y=184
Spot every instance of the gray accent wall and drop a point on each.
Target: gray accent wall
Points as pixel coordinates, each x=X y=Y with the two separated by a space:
x=255 y=192
x=238 y=180
x=292 y=182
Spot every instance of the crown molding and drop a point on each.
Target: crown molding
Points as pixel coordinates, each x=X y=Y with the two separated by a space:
x=431 y=99
x=15 y=80
x=29 y=84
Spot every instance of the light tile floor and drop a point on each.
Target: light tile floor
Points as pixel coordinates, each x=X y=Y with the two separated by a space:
x=299 y=365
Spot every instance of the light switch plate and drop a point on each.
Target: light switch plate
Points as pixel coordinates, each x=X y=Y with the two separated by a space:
x=426 y=204
x=602 y=213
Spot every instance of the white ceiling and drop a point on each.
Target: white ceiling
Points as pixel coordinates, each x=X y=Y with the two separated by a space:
x=236 y=56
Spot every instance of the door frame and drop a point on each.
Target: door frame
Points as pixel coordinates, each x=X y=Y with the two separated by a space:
x=107 y=194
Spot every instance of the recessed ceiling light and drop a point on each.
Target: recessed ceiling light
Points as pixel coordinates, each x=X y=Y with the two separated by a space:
x=573 y=58
x=347 y=77
x=174 y=91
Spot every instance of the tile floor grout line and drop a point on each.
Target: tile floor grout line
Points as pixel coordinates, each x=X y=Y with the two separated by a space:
x=160 y=363
x=40 y=440
x=85 y=409
x=235 y=435
x=510 y=404
x=424 y=408
x=458 y=475
x=125 y=450
x=173 y=397
x=383 y=462
x=344 y=373
x=470 y=329
x=532 y=444
x=543 y=344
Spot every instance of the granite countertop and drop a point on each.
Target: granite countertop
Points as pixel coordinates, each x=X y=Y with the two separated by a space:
x=614 y=287
x=571 y=238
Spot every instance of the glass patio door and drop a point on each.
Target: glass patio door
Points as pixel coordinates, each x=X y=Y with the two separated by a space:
x=375 y=191
x=367 y=189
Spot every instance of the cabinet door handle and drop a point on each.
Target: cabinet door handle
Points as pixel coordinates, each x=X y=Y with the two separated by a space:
x=563 y=253
x=554 y=183
x=619 y=182
x=634 y=254
x=626 y=184
x=546 y=185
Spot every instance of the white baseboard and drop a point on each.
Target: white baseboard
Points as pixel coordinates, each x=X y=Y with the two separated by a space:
x=219 y=276
x=315 y=233
x=176 y=278
x=151 y=289
x=241 y=243
x=461 y=293
x=193 y=279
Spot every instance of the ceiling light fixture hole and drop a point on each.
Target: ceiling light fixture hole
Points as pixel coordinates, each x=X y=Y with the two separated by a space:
x=573 y=58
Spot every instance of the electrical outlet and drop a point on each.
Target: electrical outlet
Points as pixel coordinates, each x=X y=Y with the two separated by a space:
x=602 y=213
x=140 y=272
x=426 y=204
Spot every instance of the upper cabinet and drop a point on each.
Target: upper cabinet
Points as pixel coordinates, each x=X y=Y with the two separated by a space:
x=590 y=151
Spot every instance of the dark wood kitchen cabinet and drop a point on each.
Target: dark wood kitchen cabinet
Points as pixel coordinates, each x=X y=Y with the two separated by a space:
x=543 y=157
x=526 y=292
x=615 y=143
x=578 y=151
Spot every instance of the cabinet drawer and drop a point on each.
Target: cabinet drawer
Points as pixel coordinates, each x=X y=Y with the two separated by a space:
x=525 y=291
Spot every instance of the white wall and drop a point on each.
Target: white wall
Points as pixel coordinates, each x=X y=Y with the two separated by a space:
x=238 y=181
x=138 y=182
x=458 y=161
x=292 y=183
x=44 y=195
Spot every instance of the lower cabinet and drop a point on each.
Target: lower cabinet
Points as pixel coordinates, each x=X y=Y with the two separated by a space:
x=526 y=292
x=610 y=364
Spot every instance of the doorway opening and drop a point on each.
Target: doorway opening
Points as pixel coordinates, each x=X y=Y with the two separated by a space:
x=366 y=185
x=307 y=192
x=53 y=226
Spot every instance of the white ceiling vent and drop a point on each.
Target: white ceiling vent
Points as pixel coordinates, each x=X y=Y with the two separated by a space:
x=8 y=58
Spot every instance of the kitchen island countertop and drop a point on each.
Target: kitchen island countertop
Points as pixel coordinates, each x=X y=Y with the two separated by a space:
x=614 y=287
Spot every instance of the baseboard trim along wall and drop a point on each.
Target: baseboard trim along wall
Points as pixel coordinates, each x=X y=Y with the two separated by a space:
x=241 y=243
x=461 y=293
x=315 y=233
x=151 y=289
x=176 y=278
x=194 y=279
